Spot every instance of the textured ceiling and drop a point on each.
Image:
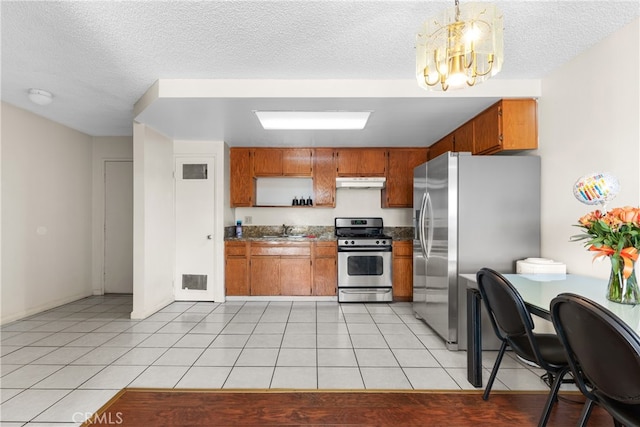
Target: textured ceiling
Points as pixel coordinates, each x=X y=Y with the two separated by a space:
x=99 y=57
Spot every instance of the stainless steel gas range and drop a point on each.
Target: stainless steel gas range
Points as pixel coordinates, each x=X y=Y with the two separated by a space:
x=364 y=260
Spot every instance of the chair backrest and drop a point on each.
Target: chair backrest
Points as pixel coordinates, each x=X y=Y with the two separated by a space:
x=507 y=310
x=509 y=315
x=600 y=346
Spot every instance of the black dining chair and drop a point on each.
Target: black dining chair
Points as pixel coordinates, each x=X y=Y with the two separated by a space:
x=513 y=325
x=604 y=355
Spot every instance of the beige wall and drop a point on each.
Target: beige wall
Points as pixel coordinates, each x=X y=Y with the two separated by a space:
x=153 y=240
x=589 y=122
x=46 y=214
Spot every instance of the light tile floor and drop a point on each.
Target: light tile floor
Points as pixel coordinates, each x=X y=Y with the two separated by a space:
x=60 y=366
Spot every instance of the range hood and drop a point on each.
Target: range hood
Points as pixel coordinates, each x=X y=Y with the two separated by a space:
x=360 y=182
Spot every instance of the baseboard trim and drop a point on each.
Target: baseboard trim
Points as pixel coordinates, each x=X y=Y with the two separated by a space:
x=43 y=307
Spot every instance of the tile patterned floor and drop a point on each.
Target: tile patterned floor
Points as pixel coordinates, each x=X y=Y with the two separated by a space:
x=58 y=367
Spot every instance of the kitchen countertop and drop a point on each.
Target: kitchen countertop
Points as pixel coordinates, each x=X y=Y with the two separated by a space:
x=320 y=238
x=321 y=233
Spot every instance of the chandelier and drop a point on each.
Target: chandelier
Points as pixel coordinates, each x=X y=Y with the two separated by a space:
x=460 y=47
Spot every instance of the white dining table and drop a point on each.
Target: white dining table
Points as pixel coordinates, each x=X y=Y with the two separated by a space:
x=537 y=291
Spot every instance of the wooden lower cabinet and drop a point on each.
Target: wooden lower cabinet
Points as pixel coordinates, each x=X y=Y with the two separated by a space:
x=236 y=278
x=277 y=268
x=403 y=270
x=295 y=276
x=325 y=272
x=265 y=275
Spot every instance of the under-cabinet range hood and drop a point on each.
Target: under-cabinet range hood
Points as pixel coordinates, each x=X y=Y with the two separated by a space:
x=360 y=182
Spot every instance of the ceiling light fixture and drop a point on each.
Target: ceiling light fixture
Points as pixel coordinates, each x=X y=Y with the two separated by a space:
x=313 y=120
x=460 y=47
x=40 y=97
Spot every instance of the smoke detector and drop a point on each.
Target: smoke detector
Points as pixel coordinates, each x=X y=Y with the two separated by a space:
x=40 y=97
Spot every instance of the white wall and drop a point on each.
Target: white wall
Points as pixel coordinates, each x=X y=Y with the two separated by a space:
x=589 y=122
x=349 y=202
x=217 y=150
x=103 y=149
x=46 y=214
x=153 y=240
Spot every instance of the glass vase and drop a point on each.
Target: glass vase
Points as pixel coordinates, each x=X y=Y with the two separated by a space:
x=620 y=289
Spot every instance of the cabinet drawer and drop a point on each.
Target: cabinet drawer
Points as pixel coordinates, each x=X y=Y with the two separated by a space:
x=404 y=248
x=326 y=250
x=292 y=249
x=236 y=249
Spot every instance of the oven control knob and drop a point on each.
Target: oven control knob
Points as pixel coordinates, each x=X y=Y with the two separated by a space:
x=384 y=242
x=352 y=242
x=377 y=242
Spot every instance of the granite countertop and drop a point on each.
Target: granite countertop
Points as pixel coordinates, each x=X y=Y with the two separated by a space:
x=268 y=238
x=260 y=233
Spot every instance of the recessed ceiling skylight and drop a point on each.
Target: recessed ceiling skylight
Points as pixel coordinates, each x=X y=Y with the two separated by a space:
x=312 y=120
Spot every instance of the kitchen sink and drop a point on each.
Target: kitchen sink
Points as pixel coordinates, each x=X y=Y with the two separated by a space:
x=282 y=236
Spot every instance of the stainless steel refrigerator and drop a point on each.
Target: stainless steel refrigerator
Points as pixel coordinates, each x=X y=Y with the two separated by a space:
x=470 y=212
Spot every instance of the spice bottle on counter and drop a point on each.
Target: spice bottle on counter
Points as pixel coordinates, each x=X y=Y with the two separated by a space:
x=238 y=228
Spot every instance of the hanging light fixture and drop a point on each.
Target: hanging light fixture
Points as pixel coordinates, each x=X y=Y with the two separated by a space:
x=461 y=47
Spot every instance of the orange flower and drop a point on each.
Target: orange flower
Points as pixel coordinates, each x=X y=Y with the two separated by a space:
x=627 y=214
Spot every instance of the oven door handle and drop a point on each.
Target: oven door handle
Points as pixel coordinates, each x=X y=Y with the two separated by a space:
x=365 y=291
x=375 y=249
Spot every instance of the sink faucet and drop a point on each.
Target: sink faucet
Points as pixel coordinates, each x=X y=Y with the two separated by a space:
x=286 y=230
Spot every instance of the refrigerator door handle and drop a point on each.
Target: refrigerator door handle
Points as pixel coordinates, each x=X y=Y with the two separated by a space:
x=429 y=207
x=421 y=221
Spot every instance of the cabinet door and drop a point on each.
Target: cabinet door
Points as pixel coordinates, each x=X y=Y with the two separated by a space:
x=519 y=124
x=325 y=274
x=325 y=277
x=236 y=279
x=398 y=192
x=463 y=139
x=267 y=162
x=324 y=177
x=442 y=146
x=361 y=162
x=295 y=276
x=241 y=177
x=488 y=130
x=265 y=275
x=297 y=161
x=403 y=270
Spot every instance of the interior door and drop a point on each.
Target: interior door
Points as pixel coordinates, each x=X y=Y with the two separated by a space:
x=118 y=227
x=194 y=226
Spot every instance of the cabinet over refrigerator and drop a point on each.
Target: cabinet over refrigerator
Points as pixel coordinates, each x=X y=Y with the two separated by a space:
x=469 y=212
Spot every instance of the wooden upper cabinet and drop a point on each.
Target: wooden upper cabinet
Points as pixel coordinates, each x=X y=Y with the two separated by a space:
x=282 y=162
x=510 y=124
x=324 y=177
x=361 y=161
x=442 y=146
x=241 y=177
x=463 y=138
x=267 y=162
x=297 y=161
x=398 y=191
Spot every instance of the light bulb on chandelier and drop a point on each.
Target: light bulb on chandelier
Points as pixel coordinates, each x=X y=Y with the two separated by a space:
x=461 y=47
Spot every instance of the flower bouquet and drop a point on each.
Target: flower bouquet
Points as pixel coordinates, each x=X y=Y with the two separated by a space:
x=616 y=235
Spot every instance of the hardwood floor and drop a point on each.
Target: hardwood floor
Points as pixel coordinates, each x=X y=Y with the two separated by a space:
x=175 y=407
